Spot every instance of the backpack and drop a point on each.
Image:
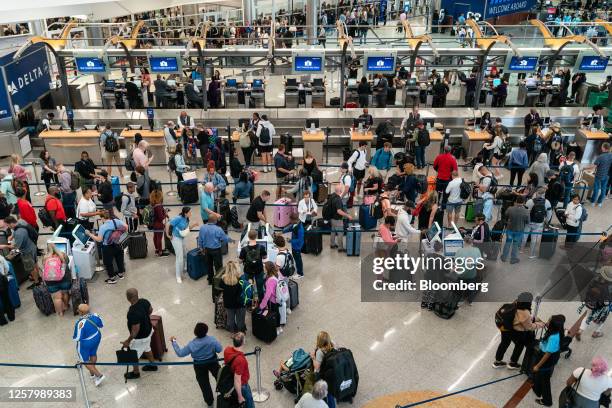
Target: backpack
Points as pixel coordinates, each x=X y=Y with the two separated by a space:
x=282 y=291
x=147 y=216
x=32 y=233
x=353 y=184
x=505 y=148
x=53 y=270
x=172 y=163
x=376 y=209
x=538 y=211
x=75 y=180
x=45 y=217
x=566 y=174
x=537 y=145
x=253 y=256
x=329 y=209
x=423 y=138
x=288 y=268
x=264 y=135
x=105 y=191
x=465 y=190
x=119 y=201
x=246 y=291
x=492 y=186
x=584 y=215
x=504 y=317
x=245 y=140
x=421 y=184
x=130 y=165
x=117 y=234
x=111 y=144
x=225 y=385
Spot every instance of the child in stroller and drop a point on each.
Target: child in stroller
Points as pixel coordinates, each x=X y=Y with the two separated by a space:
x=295 y=374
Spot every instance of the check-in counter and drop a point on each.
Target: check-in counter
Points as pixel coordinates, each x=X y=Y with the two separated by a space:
x=313 y=142
x=237 y=149
x=66 y=146
x=590 y=141
x=472 y=141
x=157 y=145
x=435 y=144
x=365 y=136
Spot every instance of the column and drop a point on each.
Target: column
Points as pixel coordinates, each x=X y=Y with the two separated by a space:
x=311 y=21
x=247 y=11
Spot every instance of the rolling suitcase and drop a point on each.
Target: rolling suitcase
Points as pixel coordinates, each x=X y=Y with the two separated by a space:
x=264 y=325
x=196 y=264
x=548 y=244
x=353 y=240
x=339 y=370
x=366 y=220
x=220 y=314
x=158 y=339
x=283 y=209
x=13 y=288
x=446 y=304
x=79 y=294
x=294 y=294
x=116 y=185
x=43 y=299
x=14 y=257
x=189 y=192
x=313 y=241
x=7 y=309
x=469 y=212
x=234 y=218
x=137 y=245
x=223 y=208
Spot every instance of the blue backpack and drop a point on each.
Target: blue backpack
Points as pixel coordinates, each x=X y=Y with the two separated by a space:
x=584 y=215
x=353 y=183
x=299 y=360
x=246 y=291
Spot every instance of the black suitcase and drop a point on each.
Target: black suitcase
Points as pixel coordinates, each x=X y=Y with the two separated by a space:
x=334 y=102
x=313 y=241
x=294 y=294
x=340 y=372
x=189 y=193
x=264 y=326
x=446 y=304
x=223 y=208
x=548 y=244
x=137 y=245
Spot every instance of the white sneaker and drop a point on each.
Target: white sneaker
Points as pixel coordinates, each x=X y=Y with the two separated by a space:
x=179 y=280
x=99 y=380
x=600 y=205
x=288 y=310
x=533 y=257
x=295 y=276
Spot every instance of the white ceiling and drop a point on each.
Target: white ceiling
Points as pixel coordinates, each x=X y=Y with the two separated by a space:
x=26 y=10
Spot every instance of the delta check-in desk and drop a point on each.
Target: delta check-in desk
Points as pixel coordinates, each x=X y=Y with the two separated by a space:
x=590 y=141
x=66 y=146
x=472 y=141
x=313 y=142
x=435 y=144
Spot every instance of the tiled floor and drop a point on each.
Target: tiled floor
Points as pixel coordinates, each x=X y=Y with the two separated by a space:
x=397 y=346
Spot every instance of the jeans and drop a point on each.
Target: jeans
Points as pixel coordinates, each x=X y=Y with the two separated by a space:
x=337 y=227
x=441 y=189
x=259 y=280
x=248 y=154
x=299 y=264
x=235 y=320
x=536 y=229
x=331 y=401
x=520 y=339
x=201 y=373
x=420 y=156
x=248 y=396
x=181 y=258
x=541 y=384
x=113 y=254
x=514 y=239
x=69 y=203
x=214 y=262
x=600 y=187
x=516 y=172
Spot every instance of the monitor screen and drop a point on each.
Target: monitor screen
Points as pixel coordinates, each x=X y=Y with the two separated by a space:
x=79 y=234
x=496 y=82
x=317 y=82
x=231 y=83
x=412 y=82
x=88 y=65
x=291 y=82
x=307 y=63
x=352 y=82
x=163 y=64
x=556 y=81
x=197 y=82
x=257 y=83
x=109 y=83
x=171 y=82
x=593 y=63
x=61 y=246
x=523 y=64
x=380 y=64
x=434 y=232
x=311 y=122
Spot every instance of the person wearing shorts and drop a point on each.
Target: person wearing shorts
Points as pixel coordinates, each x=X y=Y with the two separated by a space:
x=59 y=289
x=88 y=336
x=358 y=162
x=109 y=156
x=454 y=203
x=141 y=330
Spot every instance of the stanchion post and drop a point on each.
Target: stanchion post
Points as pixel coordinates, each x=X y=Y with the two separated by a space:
x=37 y=193
x=171 y=192
x=83 y=386
x=260 y=394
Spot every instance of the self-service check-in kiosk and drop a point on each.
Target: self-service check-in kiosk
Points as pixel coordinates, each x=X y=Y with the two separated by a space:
x=258 y=94
x=63 y=245
x=84 y=253
x=318 y=93
x=452 y=242
x=411 y=93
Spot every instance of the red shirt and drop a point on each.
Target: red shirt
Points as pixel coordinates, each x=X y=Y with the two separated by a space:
x=26 y=212
x=445 y=164
x=240 y=364
x=53 y=204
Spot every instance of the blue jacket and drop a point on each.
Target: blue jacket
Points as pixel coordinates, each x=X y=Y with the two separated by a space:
x=518 y=159
x=382 y=160
x=242 y=190
x=297 y=235
x=211 y=236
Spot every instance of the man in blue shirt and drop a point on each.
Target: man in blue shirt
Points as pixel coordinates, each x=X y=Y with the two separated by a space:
x=297 y=242
x=207 y=201
x=211 y=240
x=461 y=19
x=383 y=160
x=88 y=336
x=110 y=233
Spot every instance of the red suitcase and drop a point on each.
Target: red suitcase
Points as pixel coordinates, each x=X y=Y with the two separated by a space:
x=158 y=340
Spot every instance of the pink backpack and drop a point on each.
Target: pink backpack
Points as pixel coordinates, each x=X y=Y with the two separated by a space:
x=53 y=270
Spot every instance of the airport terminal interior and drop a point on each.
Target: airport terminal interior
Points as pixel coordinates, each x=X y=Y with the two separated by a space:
x=360 y=140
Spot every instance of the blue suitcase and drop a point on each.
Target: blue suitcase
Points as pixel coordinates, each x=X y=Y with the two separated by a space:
x=353 y=240
x=366 y=220
x=13 y=287
x=196 y=264
x=116 y=186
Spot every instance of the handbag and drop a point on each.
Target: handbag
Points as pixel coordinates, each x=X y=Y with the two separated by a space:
x=127 y=356
x=568 y=395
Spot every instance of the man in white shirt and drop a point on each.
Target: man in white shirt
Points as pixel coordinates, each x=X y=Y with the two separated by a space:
x=403 y=227
x=170 y=137
x=307 y=208
x=358 y=162
x=46 y=122
x=346 y=179
x=454 y=203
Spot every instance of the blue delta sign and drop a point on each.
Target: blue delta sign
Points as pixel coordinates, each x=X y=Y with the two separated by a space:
x=163 y=64
x=90 y=65
x=593 y=63
x=523 y=64
x=308 y=64
x=26 y=79
x=380 y=64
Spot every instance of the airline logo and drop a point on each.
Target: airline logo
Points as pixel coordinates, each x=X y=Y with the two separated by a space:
x=163 y=63
x=90 y=64
x=595 y=62
x=308 y=63
x=27 y=79
x=380 y=63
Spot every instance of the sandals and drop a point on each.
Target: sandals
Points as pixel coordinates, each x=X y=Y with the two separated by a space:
x=597 y=335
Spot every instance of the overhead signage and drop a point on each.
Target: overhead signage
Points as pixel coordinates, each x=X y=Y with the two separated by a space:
x=164 y=64
x=90 y=65
x=522 y=64
x=496 y=8
x=308 y=63
x=592 y=63
x=380 y=64
x=27 y=78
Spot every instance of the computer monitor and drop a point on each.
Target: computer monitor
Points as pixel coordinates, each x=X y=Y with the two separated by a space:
x=90 y=127
x=318 y=82
x=546 y=121
x=79 y=235
x=434 y=233
x=358 y=121
x=291 y=82
x=496 y=82
x=61 y=246
x=556 y=81
x=257 y=83
x=231 y=83
x=312 y=123
x=352 y=82
x=109 y=83
x=171 y=82
x=197 y=82
x=412 y=82
x=531 y=81
x=135 y=127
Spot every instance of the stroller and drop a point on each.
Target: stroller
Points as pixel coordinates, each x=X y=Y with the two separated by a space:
x=295 y=375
